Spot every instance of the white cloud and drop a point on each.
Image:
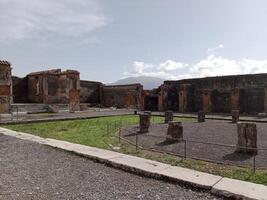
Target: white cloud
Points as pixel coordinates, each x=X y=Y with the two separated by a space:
x=214 y=50
x=35 y=18
x=171 y=65
x=163 y=70
x=218 y=66
x=211 y=66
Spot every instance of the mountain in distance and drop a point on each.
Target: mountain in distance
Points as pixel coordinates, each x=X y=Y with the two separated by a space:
x=148 y=82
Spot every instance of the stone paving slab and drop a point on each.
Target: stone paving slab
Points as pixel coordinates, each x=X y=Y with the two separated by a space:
x=137 y=163
x=218 y=185
x=240 y=189
x=87 y=151
x=196 y=178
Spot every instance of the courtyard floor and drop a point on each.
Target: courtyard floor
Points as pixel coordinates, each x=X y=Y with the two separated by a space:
x=212 y=141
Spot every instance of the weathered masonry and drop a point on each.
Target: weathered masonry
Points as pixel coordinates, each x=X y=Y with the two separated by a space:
x=5 y=86
x=54 y=87
x=247 y=93
x=122 y=96
x=90 y=92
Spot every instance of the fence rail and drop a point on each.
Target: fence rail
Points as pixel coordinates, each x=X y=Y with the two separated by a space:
x=192 y=148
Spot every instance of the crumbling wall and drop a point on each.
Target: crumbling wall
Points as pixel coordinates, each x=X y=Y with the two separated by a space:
x=246 y=93
x=122 y=96
x=53 y=86
x=20 y=90
x=5 y=87
x=150 y=100
x=90 y=92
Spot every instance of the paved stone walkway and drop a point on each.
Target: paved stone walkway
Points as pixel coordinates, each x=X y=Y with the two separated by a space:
x=34 y=171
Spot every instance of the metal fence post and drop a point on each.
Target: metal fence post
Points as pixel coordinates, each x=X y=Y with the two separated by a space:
x=185 y=147
x=17 y=113
x=107 y=128
x=120 y=135
x=136 y=141
x=254 y=163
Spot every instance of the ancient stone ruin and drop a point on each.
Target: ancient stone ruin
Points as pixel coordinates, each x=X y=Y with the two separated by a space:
x=246 y=93
x=168 y=116
x=235 y=116
x=247 y=138
x=201 y=116
x=144 y=123
x=175 y=131
x=5 y=87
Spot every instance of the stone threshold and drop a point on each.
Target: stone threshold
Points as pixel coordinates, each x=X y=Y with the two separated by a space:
x=215 y=184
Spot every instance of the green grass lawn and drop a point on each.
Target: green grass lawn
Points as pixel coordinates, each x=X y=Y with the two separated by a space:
x=100 y=132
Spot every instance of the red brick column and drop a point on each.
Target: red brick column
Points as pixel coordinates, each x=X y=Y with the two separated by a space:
x=206 y=101
x=142 y=101
x=161 y=99
x=235 y=93
x=182 y=98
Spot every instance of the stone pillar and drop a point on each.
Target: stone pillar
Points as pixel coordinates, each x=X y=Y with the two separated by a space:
x=6 y=96
x=161 y=99
x=247 y=138
x=235 y=94
x=144 y=123
x=182 y=98
x=168 y=116
x=148 y=113
x=175 y=131
x=201 y=116
x=142 y=101
x=206 y=101
x=235 y=116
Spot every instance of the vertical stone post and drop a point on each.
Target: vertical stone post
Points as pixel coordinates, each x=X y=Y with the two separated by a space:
x=235 y=94
x=201 y=116
x=247 y=138
x=168 y=116
x=206 y=101
x=235 y=116
x=144 y=123
x=175 y=131
x=6 y=96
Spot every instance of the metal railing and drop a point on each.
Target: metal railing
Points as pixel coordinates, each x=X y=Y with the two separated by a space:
x=195 y=149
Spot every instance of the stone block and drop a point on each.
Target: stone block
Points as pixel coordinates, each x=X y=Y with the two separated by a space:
x=53 y=108
x=247 y=138
x=175 y=131
x=168 y=116
x=235 y=116
x=201 y=116
x=144 y=123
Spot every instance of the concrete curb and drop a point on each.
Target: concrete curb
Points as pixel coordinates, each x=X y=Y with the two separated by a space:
x=215 y=184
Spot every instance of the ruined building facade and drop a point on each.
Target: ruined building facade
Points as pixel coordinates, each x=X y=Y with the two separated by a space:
x=5 y=87
x=54 y=87
x=247 y=93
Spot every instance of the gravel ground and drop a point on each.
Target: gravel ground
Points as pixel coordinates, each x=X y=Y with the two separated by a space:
x=218 y=132
x=33 y=171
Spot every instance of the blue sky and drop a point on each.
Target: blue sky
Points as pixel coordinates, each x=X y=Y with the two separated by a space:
x=109 y=39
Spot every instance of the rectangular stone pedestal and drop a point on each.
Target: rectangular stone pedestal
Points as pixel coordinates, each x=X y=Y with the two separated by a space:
x=201 y=116
x=168 y=116
x=247 y=138
x=175 y=131
x=144 y=123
